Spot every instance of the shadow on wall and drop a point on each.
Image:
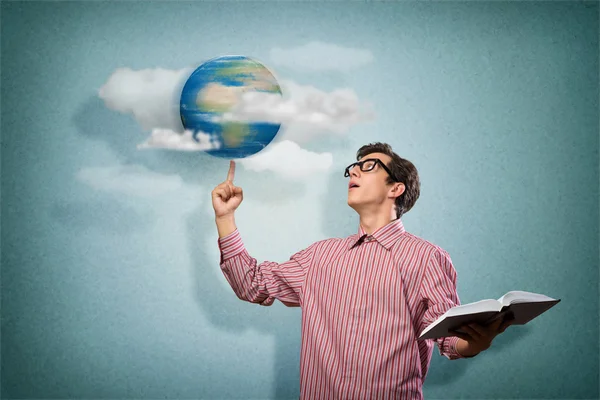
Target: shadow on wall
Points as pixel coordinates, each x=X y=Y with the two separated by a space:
x=227 y=312
x=122 y=134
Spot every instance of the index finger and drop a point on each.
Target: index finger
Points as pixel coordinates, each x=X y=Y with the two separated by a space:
x=231 y=172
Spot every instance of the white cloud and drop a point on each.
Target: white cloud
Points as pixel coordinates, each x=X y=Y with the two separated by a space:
x=150 y=95
x=304 y=111
x=132 y=180
x=287 y=159
x=168 y=139
x=319 y=56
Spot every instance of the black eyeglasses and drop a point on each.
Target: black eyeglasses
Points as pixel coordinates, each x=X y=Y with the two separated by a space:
x=368 y=165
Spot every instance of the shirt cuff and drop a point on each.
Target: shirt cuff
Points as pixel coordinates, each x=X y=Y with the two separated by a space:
x=230 y=245
x=449 y=348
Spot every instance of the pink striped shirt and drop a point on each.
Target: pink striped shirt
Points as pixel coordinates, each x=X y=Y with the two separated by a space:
x=364 y=303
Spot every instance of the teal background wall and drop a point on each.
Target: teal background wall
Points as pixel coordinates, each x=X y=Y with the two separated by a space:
x=115 y=291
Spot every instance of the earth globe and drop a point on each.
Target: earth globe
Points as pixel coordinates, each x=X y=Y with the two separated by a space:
x=213 y=91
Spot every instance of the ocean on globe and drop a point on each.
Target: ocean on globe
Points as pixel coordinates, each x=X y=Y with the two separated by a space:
x=213 y=91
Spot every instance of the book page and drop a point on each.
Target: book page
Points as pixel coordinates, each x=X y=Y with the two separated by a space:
x=519 y=296
x=476 y=307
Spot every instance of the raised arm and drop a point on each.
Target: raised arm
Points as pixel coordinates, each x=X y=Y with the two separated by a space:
x=264 y=282
x=253 y=282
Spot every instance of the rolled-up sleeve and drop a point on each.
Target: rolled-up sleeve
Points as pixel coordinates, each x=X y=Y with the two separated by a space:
x=438 y=290
x=264 y=282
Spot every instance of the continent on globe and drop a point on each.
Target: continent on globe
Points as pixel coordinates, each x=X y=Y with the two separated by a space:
x=218 y=98
x=235 y=133
x=213 y=91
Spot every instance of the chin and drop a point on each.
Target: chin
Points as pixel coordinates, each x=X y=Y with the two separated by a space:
x=354 y=198
x=352 y=203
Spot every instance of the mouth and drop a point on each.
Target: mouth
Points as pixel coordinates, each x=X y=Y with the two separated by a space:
x=353 y=186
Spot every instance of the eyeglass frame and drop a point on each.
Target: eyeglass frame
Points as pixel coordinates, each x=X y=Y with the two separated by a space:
x=361 y=163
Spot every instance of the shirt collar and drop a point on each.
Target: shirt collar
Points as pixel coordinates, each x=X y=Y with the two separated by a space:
x=386 y=235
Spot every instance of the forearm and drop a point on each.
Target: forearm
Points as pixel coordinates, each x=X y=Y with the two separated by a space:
x=242 y=272
x=225 y=225
x=262 y=283
x=462 y=346
x=247 y=279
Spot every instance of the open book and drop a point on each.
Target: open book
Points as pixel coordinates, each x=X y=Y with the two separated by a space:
x=524 y=306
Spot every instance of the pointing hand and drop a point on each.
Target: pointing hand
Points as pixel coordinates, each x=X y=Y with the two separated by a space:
x=226 y=197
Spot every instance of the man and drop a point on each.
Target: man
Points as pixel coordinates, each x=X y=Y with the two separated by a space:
x=365 y=298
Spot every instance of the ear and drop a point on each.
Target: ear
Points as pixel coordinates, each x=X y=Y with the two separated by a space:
x=397 y=189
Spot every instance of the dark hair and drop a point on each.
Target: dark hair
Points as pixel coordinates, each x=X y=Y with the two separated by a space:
x=402 y=169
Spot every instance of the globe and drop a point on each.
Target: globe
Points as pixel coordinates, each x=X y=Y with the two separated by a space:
x=213 y=91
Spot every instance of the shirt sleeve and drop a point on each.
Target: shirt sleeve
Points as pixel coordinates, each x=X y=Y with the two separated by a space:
x=438 y=290
x=264 y=282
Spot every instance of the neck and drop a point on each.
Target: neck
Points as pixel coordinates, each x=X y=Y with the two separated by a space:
x=372 y=222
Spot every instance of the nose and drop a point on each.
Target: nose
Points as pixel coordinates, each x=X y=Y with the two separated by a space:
x=354 y=171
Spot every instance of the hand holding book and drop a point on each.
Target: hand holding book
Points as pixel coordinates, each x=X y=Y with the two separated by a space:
x=518 y=306
x=479 y=337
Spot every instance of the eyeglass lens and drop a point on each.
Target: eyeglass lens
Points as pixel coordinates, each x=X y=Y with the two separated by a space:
x=364 y=166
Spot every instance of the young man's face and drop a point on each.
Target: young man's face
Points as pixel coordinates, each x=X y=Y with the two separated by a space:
x=372 y=190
